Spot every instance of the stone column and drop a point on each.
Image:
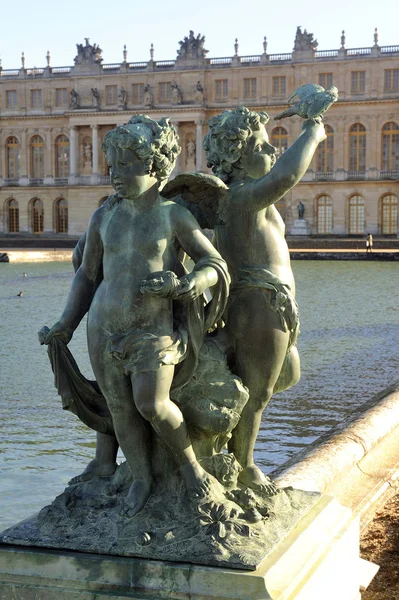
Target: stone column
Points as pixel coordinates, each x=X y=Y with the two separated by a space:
x=198 y=152
x=72 y=155
x=48 y=158
x=94 y=145
x=3 y=173
x=176 y=170
x=24 y=158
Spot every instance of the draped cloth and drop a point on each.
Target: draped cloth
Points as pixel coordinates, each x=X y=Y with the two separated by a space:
x=192 y=319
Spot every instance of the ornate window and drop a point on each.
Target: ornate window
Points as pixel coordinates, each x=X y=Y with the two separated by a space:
x=165 y=91
x=138 y=93
x=250 y=87
x=13 y=216
x=61 y=97
x=324 y=214
x=391 y=80
x=37 y=215
x=325 y=153
x=357 y=148
x=111 y=94
x=11 y=99
x=358 y=82
x=221 y=89
x=279 y=139
x=36 y=99
x=62 y=156
x=37 y=157
x=279 y=86
x=356 y=214
x=326 y=79
x=390 y=147
x=389 y=214
x=61 y=216
x=13 y=153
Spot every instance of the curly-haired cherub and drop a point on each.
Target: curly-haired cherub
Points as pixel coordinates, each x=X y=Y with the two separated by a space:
x=262 y=319
x=128 y=280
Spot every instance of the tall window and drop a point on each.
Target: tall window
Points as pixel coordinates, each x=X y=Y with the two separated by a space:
x=37 y=157
x=61 y=216
x=279 y=139
x=111 y=94
x=11 y=99
x=356 y=214
x=325 y=153
x=37 y=216
x=221 y=89
x=13 y=216
x=357 y=148
x=138 y=93
x=325 y=79
x=390 y=147
x=324 y=214
x=279 y=86
x=62 y=156
x=391 y=80
x=61 y=97
x=250 y=87
x=389 y=214
x=165 y=91
x=13 y=153
x=358 y=81
x=36 y=99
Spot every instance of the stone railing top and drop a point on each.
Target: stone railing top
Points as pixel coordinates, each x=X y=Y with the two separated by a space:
x=208 y=62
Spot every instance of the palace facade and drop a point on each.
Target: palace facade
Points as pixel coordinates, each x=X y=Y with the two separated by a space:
x=53 y=174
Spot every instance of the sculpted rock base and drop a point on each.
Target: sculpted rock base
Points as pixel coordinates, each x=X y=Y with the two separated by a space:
x=235 y=529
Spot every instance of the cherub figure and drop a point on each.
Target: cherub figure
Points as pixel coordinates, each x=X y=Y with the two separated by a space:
x=129 y=281
x=262 y=319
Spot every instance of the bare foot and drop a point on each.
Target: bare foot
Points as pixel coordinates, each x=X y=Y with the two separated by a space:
x=255 y=479
x=137 y=497
x=95 y=468
x=198 y=482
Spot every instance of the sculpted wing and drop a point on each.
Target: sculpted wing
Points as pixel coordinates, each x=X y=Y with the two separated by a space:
x=305 y=90
x=202 y=194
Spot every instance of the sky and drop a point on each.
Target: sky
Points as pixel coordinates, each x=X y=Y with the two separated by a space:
x=35 y=27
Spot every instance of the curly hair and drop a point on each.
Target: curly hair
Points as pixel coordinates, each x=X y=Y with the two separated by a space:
x=227 y=138
x=156 y=143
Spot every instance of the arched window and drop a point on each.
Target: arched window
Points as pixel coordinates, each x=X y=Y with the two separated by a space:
x=61 y=216
x=390 y=147
x=13 y=153
x=356 y=214
x=325 y=153
x=389 y=214
x=62 y=156
x=13 y=216
x=324 y=214
x=37 y=216
x=357 y=148
x=279 y=139
x=37 y=157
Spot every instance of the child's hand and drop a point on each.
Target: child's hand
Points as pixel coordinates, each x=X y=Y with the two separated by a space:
x=192 y=286
x=316 y=127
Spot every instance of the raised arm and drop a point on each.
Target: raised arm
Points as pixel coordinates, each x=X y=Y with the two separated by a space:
x=287 y=172
x=84 y=284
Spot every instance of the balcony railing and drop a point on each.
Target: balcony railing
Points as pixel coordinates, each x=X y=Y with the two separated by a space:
x=11 y=181
x=60 y=180
x=389 y=174
x=356 y=175
x=105 y=179
x=324 y=175
x=36 y=181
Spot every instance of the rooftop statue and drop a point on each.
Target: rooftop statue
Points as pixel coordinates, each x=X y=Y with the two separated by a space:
x=88 y=53
x=304 y=41
x=192 y=47
x=182 y=378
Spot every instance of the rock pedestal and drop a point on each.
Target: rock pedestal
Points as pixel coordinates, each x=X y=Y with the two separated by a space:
x=300 y=227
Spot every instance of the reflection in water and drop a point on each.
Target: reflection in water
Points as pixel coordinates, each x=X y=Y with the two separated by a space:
x=348 y=346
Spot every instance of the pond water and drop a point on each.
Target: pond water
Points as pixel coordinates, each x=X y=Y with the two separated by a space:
x=348 y=346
